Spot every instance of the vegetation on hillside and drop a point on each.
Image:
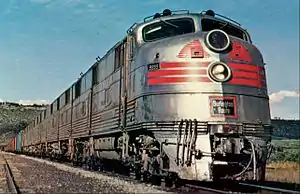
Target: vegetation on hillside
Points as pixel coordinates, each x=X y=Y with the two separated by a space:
x=286 y=129
x=285 y=151
x=14 y=116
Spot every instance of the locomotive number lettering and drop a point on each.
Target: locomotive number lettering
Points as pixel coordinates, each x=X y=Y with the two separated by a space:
x=223 y=106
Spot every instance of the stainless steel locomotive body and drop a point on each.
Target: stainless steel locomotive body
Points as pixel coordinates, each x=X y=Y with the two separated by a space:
x=186 y=96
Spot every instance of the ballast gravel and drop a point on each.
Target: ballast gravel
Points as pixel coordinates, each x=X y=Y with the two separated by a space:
x=43 y=176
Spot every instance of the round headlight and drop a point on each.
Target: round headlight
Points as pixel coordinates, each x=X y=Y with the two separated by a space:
x=219 y=72
x=217 y=40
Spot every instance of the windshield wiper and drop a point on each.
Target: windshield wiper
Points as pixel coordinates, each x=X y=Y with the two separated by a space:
x=224 y=25
x=168 y=23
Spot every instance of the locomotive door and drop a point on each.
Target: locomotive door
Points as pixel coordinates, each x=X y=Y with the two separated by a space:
x=125 y=71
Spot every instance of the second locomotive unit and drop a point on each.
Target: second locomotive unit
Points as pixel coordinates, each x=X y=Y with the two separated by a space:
x=182 y=95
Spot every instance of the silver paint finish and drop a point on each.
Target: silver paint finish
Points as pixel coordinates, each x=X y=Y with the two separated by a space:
x=148 y=104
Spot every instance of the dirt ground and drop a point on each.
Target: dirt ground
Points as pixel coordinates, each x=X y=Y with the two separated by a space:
x=287 y=172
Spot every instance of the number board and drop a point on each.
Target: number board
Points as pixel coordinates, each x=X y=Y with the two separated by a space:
x=223 y=106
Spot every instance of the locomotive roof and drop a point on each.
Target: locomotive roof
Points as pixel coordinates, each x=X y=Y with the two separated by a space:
x=182 y=13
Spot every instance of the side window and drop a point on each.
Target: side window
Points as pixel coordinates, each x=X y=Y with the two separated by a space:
x=117 y=57
x=62 y=101
x=67 y=96
x=57 y=104
x=95 y=75
x=120 y=53
x=132 y=46
x=77 y=89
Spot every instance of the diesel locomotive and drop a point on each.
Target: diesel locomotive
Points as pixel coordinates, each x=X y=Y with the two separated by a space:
x=182 y=96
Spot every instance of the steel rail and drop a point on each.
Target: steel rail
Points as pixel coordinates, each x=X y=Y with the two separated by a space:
x=270 y=188
x=206 y=188
x=10 y=179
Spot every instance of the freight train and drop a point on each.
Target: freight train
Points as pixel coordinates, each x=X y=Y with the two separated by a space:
x=182 y=96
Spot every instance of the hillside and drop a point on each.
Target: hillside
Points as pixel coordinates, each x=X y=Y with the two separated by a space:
x=286 y=129
x=13 y=115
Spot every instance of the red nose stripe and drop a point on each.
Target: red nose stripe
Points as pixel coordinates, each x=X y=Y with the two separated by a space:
x=247 y=82
x=239 y=52
x=248 y=75
x=245 y=67
x=180 y=71
x=182 y=64
x=171 y=80
x=168 y=72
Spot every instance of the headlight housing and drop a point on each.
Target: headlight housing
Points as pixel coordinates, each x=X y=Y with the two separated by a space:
x=217 y=40
x=219 y=72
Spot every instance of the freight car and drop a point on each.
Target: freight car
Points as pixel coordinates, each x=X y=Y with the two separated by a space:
x=14 y=144
x=11 y=146
x=182 y=96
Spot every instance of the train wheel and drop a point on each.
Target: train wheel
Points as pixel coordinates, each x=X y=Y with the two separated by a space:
x=137 y=172
x=145 y=177
x=168 y=181
x=178 y=182
x=155 y=180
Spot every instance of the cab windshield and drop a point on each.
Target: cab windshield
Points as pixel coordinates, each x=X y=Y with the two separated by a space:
x=168 y=28
x=210 y=24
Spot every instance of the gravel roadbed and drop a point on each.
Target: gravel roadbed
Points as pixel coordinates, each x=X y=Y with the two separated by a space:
x=43 y=176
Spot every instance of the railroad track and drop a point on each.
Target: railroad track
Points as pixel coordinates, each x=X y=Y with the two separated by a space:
x=7 y=183
x=190 y=187
x=269 y=189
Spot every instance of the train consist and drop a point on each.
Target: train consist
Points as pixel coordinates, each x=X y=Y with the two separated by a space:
x=182 y=96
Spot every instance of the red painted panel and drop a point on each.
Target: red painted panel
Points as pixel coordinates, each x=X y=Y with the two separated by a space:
x=183 y=64
x=245 y=67
x=239 y=52
x=193 y=47
x=171 y=80
x=247 y=82
x=166 y=72
x=244 y=74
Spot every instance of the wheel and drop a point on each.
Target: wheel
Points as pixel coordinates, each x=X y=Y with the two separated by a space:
x=137 y=172
x=168 y=181
x=178 y=182
x=145 y=177
x=155 y=180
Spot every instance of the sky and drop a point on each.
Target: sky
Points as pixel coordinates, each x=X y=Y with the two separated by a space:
x=45 y=44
